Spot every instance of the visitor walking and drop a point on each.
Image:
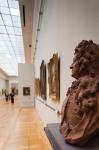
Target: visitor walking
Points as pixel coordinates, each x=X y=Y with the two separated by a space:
x=12 y=97
x=6 y=96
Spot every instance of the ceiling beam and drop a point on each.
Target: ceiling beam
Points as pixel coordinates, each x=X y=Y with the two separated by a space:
x=26 y=13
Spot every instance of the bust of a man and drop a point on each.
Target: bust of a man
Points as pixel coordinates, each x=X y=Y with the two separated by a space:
x=80 y=110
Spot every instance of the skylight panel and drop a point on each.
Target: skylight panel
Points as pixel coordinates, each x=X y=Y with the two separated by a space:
x=13 y=56
x=14 y=12
x=15 y=48
x=1 y=44
x=18 y=31
x=8 y=44
x=3 y=48
x=14 y=44
x=11 y=40
x=3 y=3
x=3 y=51
x=12 y=37
x=4 y=10
x=10 y=30
x=5 y=37
x=7 y=20
x=19 y=39
x=9 y=69
x=20 y=45
x=3 y=58
x=13 y=4
x=18 y=53
x=11 y=50
x=2 y=29
x=1 y=22
x=16 y=21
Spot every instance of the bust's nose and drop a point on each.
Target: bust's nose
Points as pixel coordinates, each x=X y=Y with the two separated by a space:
x=72 y=65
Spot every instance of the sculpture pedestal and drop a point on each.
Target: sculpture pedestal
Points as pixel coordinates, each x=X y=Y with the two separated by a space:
x=58 y=143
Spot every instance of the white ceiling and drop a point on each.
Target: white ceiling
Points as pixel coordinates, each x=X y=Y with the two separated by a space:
x=11 y=40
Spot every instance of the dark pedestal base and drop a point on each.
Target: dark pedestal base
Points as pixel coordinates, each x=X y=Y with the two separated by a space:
x=57 y=141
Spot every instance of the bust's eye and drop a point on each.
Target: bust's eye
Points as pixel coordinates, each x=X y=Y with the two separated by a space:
x=86 y=96
x=84 y=85
x=80 y=114
x=93 y=94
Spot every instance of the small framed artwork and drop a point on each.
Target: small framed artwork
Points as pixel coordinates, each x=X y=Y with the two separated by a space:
x=54 y=77
x=26 y=91
x=37 y=87
x=16 y=91
x=43 y=80
x=14 y=88
x=3 y=91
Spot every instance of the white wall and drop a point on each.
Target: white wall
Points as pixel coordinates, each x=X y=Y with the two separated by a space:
x=65 y=23
x=3 y=83
x=2 y=86
x=25 y=79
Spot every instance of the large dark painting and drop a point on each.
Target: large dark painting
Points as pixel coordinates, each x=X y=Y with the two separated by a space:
x=43 y=79
x=37 y=87
x=26 y=91
x=54 y=77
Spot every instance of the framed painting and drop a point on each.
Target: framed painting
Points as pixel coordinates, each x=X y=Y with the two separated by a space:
x=14 y=88
x=54 y=77
x=16 y=91
x=37 y=87
x=26 y=91
x=43 y=80
x=3 y=91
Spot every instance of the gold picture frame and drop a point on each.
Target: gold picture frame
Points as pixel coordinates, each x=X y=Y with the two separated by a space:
x=54 y=77
x=43 y=80
x=37 y=87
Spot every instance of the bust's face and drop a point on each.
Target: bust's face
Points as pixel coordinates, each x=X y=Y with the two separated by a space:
x=75 y=69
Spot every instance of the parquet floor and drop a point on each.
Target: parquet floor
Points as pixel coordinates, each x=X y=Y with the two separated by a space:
x=21 y=128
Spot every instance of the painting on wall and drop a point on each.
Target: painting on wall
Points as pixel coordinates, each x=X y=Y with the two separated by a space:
x=26 y=91
x=37 y=87
x=3 y=91
x=43 y=80
x=16 y=91
x=54 y=77
x=14 y=88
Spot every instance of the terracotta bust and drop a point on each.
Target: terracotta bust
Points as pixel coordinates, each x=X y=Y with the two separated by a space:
x=80 y=110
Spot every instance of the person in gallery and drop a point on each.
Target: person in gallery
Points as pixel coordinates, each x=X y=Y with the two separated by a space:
x=12 y=97
x=6 y=96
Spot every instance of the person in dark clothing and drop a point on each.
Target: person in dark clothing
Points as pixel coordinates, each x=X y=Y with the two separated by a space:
x=6 y=97
x=12 y=97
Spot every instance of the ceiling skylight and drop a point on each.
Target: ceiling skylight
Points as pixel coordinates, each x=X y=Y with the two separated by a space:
x=11 y=40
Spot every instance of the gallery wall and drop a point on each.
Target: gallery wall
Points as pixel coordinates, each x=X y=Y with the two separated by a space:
x=25 y=79
x=2 y=86
x=64 y=24
x=3 y=83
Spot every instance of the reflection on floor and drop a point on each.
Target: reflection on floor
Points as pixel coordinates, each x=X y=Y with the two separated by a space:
x=21 y=128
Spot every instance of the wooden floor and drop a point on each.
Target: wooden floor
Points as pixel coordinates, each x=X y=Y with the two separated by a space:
x=21 y=128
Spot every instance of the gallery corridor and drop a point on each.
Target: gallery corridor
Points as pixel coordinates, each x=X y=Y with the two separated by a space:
x=21 y=128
